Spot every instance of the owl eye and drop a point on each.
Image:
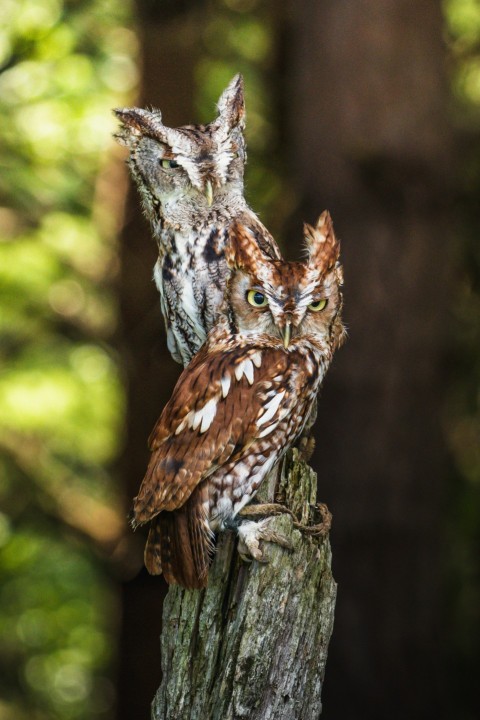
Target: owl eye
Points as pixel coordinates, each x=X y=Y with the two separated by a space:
x=318 y=305
x=256 y=298
x=168 y=164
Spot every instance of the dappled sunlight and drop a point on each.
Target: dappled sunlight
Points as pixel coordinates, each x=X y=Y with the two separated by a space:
x=463 y=24
x=61 y=398
x=42 y=603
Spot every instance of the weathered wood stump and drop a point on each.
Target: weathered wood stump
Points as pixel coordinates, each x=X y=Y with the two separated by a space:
x=254 y=643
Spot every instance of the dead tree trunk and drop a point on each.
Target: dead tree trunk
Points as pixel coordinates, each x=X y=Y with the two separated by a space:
x=254 y=643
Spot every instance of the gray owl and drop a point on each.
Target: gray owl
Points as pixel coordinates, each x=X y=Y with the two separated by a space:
x=190 y=180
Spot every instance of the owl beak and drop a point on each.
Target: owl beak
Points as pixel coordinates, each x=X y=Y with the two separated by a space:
x=209 y=192
x=287 y=333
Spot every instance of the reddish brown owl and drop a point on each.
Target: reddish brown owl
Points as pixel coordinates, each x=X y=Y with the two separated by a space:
x=242 y=401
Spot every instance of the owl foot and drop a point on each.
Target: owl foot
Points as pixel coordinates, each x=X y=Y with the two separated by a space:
x=305 y=446
x=251 y=533
x=257 y=509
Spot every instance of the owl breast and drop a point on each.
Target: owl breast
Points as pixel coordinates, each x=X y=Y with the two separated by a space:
x=190 y=275
x=286 y=404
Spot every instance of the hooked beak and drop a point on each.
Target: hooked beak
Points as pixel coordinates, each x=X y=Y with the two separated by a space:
x=287 y=333
x=209 y=192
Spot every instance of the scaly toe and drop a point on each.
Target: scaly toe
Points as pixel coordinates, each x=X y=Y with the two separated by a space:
x=250 y=534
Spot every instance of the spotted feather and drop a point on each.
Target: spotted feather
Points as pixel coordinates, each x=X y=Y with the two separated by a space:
x=240 y=404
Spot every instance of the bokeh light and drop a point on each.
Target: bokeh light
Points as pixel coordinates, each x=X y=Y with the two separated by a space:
x=65 y=65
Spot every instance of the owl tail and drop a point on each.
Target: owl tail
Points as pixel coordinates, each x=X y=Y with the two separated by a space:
x=180 y=543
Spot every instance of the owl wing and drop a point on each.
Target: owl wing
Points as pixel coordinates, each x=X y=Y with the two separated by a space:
x=223 y=402
x=180 y=543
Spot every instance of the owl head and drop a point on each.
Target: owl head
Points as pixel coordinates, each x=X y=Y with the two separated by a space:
x=193 y=164
x=287 y=300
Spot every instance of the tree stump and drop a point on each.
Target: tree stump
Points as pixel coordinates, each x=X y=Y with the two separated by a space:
x=254 y=643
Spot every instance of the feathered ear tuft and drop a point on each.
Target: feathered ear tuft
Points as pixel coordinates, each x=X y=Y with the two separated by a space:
x=242 y=251
x=137 y=122
x=231 y=105
x=322 y=245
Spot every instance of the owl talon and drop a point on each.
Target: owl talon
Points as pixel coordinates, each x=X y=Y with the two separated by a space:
x=306 y=446
x=250 y=534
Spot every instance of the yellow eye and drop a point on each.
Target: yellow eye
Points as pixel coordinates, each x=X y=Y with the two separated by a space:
x=257 y=299
x=318 y=305
x=168 y=164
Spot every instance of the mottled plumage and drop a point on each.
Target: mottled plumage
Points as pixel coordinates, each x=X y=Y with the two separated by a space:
x=243 y=399
x=191 y=184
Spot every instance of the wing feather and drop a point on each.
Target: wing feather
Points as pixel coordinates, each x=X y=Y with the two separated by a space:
x=181 y=460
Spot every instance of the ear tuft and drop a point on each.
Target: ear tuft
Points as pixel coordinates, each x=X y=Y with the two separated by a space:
x=139 y=121
x=242 y=251
x=231 y=105
x=322 y=245
x=136 y=123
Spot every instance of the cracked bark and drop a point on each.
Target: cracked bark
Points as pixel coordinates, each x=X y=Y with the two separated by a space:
x=254 y=643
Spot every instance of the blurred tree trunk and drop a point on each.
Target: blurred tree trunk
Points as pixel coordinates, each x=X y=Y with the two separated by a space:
x=169 y=50
x=365 y=105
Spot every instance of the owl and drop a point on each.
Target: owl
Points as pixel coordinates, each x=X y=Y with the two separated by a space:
x=241 y=402
x=191 y=184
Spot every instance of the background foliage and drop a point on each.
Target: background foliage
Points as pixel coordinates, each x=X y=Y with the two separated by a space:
x=462 y=411
x=64 y=65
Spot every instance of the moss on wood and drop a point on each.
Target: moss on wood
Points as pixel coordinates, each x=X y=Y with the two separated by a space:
x=254 y=643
